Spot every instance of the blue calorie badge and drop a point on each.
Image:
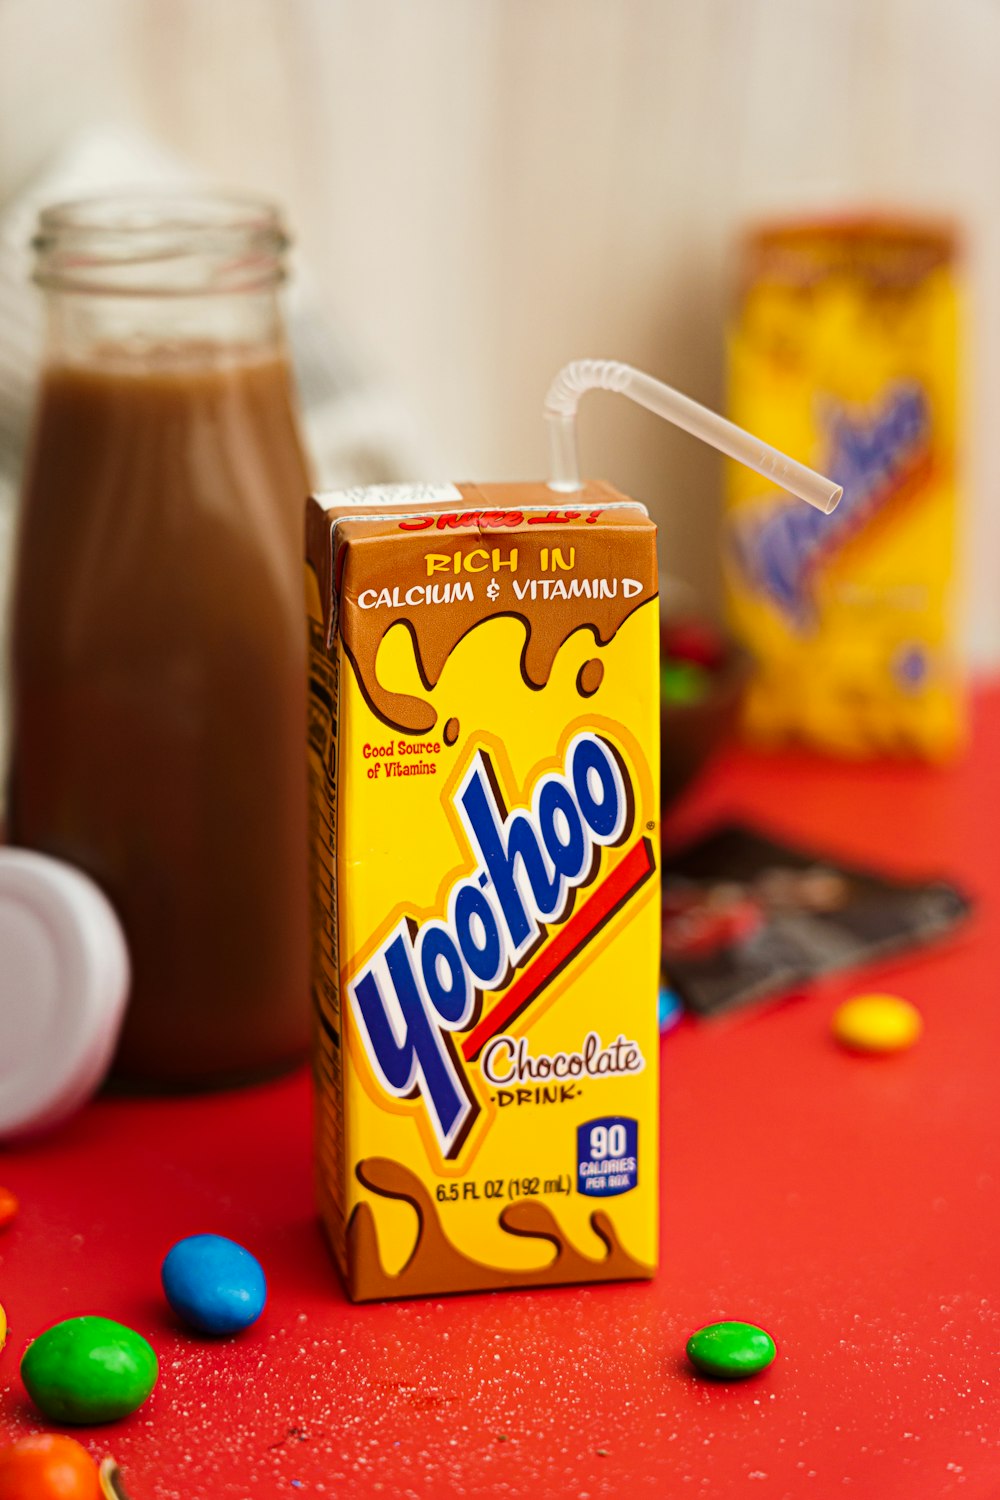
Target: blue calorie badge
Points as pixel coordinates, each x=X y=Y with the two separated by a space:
x=607 y=1157
x=910 y=667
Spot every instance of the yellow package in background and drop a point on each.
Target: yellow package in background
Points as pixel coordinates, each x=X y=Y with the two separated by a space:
x=844 y=352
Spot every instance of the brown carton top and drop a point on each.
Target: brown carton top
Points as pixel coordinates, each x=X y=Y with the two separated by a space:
x=457 y=555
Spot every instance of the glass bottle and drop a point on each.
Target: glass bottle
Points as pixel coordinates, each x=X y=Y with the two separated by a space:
x=158 y=645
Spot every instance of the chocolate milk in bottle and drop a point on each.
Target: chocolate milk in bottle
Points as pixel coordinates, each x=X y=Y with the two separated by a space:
x=158 y=648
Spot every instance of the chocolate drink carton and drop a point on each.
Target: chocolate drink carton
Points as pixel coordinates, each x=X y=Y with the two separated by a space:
x=484 y=748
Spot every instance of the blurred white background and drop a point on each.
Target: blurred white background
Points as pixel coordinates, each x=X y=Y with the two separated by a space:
x=484 y=189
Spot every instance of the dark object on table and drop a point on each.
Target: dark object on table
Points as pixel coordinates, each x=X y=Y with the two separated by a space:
x=703 y=680
x=746 y=918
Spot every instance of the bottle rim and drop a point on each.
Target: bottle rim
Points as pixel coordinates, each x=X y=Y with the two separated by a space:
x=160 y=243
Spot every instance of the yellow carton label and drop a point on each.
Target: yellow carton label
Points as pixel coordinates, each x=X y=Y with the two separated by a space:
x=844 y=353
x=485 y=789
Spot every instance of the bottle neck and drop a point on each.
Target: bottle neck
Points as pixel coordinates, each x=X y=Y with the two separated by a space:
x=87 y=327
x=161 y=277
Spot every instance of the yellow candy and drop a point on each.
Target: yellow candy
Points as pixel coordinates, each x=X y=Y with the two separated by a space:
x=877 y=1023
x=3 y=1326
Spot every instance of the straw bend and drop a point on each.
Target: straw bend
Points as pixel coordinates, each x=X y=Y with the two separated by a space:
x=583 y=375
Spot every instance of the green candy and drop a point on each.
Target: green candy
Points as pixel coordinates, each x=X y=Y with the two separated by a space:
x=683 y=682
x=730 y=1350
x=88 y=1370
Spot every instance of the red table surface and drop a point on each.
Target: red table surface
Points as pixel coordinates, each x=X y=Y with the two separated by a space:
x=849 y=1205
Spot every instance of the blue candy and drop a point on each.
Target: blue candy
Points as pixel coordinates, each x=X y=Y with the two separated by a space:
x=213 y=1284
x=670 y=1008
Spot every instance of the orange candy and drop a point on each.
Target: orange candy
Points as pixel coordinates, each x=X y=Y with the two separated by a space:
x=48 y=1467
x=8 y=1206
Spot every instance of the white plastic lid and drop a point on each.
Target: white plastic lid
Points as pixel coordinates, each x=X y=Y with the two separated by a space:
x=64 y=980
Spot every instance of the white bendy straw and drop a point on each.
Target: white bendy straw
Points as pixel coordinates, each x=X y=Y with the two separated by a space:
x=574 y=380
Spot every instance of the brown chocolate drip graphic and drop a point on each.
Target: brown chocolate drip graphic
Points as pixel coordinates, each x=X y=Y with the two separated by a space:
x=590 y=677
x=438 y=611
x=451 y=730
x=436 y=1266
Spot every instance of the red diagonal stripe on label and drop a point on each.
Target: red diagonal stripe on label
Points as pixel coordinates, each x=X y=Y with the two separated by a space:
x=623 y=882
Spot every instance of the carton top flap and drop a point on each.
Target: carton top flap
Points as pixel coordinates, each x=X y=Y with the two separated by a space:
x=391 y=509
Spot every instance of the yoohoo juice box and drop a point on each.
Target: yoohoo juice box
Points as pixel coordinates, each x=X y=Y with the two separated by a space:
x=844 y=349
x=483 y=745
